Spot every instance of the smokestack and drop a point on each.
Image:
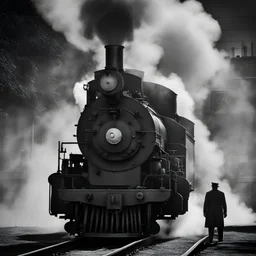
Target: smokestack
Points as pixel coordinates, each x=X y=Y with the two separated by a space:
x=114 y=57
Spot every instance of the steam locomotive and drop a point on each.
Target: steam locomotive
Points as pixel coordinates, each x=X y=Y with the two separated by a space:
x=137 y=157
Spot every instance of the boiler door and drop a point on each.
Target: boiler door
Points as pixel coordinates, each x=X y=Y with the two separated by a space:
x=116 y=138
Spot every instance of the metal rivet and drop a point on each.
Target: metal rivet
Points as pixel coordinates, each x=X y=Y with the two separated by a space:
x=139 y=196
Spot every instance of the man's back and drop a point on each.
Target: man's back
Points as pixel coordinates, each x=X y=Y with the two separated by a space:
x=214 y=208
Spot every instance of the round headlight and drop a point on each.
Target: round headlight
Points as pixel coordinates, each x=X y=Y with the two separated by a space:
x=108 y=82
x=113 y=136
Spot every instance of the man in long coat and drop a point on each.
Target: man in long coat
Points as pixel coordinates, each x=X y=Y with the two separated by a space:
x=215 y=210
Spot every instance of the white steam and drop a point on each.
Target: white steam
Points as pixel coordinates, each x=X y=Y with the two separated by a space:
x=64 y=16
x=32 y=203
x=80 y=94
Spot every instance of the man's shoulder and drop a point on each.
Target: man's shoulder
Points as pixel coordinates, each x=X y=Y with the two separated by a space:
x=209 y=192
x=215 y=192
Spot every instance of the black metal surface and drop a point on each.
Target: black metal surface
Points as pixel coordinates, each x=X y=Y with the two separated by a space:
x=162 y=99
x=114 y=57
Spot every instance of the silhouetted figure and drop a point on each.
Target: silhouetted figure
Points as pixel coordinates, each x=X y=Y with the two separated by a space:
x=215 y=210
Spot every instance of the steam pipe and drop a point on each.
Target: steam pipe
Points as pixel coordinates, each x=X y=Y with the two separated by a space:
x=114 y=57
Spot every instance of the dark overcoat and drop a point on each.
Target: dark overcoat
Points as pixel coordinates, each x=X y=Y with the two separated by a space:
x=214 y=208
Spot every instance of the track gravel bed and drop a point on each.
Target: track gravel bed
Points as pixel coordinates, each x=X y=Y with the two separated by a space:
x=113 y=247
x=237 y=241
x=18 y=240
x=173 y=247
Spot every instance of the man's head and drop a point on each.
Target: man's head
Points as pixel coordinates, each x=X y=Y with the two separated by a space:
x=215 y=185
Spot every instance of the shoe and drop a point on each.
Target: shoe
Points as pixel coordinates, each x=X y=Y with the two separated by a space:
x=220 y=240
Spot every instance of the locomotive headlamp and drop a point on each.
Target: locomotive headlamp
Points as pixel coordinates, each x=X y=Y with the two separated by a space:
x=113 y=136
x=108 y=82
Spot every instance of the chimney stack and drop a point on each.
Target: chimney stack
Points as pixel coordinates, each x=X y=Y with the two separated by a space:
x=114 y=57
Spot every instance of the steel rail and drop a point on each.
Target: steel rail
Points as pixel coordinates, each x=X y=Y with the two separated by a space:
x=131 y=247
x=195 y=248
x=60 y=247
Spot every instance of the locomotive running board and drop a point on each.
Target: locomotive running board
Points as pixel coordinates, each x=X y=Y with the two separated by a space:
x=129 y=197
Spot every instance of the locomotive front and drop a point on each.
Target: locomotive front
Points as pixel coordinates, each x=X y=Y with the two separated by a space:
x=132 y=170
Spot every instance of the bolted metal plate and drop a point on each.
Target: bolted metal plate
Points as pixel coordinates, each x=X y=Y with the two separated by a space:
x=114 y=201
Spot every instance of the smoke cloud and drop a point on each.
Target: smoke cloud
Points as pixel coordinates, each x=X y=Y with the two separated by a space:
x=112 y=21
x=14 y=141
x=64 y=16
x=30 y=207
x=174 y=43
x=85 y=22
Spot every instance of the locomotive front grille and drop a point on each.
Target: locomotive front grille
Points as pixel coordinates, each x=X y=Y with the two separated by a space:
x=100 y=220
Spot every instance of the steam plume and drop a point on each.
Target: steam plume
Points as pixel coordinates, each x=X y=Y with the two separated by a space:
x=32 y=210
x=112 y=21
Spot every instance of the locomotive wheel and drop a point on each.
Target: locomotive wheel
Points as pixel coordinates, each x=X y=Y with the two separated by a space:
x=154 y=228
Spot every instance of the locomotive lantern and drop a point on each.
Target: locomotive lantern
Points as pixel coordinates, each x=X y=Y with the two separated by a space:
x=136 y=162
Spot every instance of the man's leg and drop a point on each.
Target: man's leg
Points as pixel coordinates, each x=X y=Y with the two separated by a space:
x=211 y=232
x=220 y=234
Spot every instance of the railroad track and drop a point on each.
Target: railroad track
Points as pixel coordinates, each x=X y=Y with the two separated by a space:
x=69 y=246
x=197 y=247
x=135 y=246
x=130 y=248
x=182 y=246
x=55 y=248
